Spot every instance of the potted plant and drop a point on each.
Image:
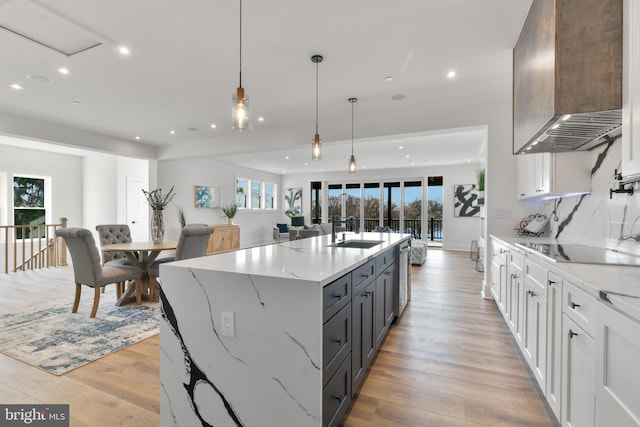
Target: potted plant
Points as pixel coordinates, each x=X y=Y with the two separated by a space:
x=481 y=173
x=229 y=211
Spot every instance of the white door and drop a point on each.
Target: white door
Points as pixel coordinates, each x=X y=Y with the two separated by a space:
x=137 y=208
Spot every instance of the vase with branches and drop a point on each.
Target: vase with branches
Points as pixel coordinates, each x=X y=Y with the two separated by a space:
x=157 y=201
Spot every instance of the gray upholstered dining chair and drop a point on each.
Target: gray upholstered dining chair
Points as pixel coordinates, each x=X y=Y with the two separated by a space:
x=87 y=268
x=114 y=233
x=192 y=243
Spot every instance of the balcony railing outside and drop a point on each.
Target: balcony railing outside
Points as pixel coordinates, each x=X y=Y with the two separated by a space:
x=30 y=247
x=411 y=226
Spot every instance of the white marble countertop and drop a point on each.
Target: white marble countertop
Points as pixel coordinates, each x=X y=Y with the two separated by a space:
x=310 y=259
x=621 y=284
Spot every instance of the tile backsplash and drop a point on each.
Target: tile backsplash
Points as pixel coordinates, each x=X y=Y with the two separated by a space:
x=596 y=219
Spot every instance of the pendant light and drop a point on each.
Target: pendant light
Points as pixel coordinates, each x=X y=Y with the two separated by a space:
x=240 y=103
x=316 y=153
x=352 y=160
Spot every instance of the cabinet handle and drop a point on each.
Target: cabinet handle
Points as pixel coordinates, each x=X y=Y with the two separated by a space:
x=337 y=341
x=388 y=273
x=339 y=296
x=338 y=398
x=551 y=282
x=532 y=293
x=364 y=275
x=574 y=305
x=366 y=294
x=572 y=334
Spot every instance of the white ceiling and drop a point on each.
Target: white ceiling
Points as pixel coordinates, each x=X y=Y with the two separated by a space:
x=184 y=68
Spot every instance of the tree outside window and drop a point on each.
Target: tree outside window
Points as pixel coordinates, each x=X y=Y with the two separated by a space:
x=28 y=204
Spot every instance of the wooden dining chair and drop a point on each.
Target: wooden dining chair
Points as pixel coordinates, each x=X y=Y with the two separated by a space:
x=192 y=243
x=109 y=234
x=87 y=268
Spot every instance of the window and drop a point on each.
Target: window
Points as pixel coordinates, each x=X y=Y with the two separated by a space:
x=28 y=204
x=242 y=189
x=371 y=205
x=413 y=208
x=391 y=212
x=335 y=201
x=256 y=195
x=316 y=202
x=269 y=196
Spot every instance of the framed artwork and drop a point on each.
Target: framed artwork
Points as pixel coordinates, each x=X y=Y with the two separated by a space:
x=465 y=200
x=293 y=202
x=207 y=197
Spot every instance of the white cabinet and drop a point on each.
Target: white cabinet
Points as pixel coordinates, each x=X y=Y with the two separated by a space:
x=554 y=343
x=515 y=303
x=553 y=174
x=617 y=369
x=499 y=280
x=631 y=90
x=534 y=331
x=578 y=373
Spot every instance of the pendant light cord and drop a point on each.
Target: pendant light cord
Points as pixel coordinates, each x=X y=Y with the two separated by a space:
x=317 y=97
x=240 y=43
x=353 y=102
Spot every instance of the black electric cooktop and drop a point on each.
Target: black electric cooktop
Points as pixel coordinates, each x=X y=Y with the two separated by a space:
x=582 y=254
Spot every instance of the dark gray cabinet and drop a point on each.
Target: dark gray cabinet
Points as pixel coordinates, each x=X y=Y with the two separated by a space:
x=385 y=303
x=358 y=310
x=364 y=337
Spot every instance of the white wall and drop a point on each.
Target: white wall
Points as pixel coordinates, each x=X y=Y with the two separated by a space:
x=457 y=231
x=597 y=219
x=66 y=179
x=255 y=226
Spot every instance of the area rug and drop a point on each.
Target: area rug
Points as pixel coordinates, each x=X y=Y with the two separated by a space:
x=50 y=337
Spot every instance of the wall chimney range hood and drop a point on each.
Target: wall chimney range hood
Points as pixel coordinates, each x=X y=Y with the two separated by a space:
x=567 y=76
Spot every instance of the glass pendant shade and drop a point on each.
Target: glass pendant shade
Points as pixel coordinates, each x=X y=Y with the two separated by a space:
x=316 y=145
x=240 y=110
x=352 y=160
x=352 y=164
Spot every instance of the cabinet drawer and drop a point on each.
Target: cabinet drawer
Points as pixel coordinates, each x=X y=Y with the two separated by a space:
x=336 y=396
x=579 y=306
x=336 y=342
x=536 y=275
x=385 y=259
x=362 y=276
x=335 y=296
x=516 y=260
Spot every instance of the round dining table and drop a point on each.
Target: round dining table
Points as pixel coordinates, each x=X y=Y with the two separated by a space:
x=141 y=255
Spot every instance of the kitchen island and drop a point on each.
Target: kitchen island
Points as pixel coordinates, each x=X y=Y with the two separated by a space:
x=263 y=336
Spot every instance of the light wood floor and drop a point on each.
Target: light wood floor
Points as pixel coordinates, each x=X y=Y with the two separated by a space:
x=449 y=361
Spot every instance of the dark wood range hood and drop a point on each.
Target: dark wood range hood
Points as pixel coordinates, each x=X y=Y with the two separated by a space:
x=567 y=76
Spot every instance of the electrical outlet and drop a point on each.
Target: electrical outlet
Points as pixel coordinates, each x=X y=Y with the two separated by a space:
x=228 y=324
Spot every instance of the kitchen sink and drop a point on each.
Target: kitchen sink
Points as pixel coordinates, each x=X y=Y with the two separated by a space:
x=358 y=244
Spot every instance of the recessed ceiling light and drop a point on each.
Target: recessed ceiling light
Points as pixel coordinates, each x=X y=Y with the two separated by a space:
x=286 y=157
x=407 y=156
x=124 y=50
x=451 y=74
x=413 y=164
x=261 y=119
x=138 y=138
x=39 y=79
x=75 y=102
x=16 y=86
x=306 y=163
x=364 y=166
x=398 y=97
x=172 y=132
x=400 y=147
x=63 y=70
x=284 y=171
x=388 y=79
x=213 y=126
x=468 y=160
